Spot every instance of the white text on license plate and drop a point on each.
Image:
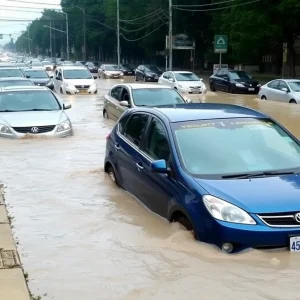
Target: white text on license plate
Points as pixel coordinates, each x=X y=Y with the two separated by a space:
x=251 y=89
x=295 y=244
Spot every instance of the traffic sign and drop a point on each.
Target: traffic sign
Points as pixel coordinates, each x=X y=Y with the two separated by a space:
x=221 y=43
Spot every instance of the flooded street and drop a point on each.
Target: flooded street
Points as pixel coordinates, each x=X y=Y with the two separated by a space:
x=83 y=238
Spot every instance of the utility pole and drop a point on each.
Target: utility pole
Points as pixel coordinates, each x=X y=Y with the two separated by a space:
x=118 y=31
x=170 y=37
x=54 y=40
x=84 y=36
x=67 y=31
x=29 y=46
x=51 y=39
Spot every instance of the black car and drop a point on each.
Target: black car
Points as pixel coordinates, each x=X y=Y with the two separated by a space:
x=11 y=72
x=232 y=81
x=147 y=73
x=93 y=68
x=15 y=81
x=127 y=69
x=39 y=77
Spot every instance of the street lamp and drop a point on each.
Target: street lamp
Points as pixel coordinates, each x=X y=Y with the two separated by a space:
x=67 y=33
x=84 y=32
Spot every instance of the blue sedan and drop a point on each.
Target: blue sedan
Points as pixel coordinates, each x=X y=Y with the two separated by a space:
x=227 y=173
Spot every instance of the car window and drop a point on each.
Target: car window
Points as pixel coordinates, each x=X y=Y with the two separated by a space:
x=171 y=76
x=135 y=128
x=123 y=122
x=115 y=92
x=273 y=84
x=295 y=86
x=166 y=75
x=125 y=95
x=282 y=85
x=157 y=146
x=11 y=73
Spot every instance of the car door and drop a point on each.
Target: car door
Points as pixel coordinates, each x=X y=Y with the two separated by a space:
x=159 y=189
x=171 y=80
x=164 y=78
x=283 y=96
x=217 y=80
x=113 y=102
x=127 y=154
x=272 y=90
x=141 y=72
x=58 y=80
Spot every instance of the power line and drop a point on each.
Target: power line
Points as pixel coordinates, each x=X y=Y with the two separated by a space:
x=30 y=2
x=218 y=8
x=141 y=28
x=31 y=11
x=208 y=4
x=159 y=15
x=129 y=40
x=144 y=17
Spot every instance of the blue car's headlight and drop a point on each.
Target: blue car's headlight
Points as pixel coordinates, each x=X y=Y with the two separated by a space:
x=225 y=211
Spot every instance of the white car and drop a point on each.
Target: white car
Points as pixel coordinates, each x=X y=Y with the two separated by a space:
x=284 y=90
x=74 y=80
x=184 y=82
x=37 y=65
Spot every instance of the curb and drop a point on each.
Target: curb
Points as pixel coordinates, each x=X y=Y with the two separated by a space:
x=13 y=285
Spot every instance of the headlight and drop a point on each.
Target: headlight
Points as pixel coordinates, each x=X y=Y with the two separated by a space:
x=122 y=74
x=239 y=85
x=225 y=211
x=4 y=129
x=259 y=85
x=66 y=125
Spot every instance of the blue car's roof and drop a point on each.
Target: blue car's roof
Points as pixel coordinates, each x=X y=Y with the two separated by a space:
x=204 y=111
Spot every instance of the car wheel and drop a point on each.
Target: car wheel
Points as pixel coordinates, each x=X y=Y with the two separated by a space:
x=293 y=101
x=232 y=89
x=263 y=98
x=212 y=87
x=112 y=175
x=105 y=114
x=186 y=224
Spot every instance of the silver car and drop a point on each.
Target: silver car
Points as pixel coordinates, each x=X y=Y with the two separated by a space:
x=32 y=110
x=110 y=71
x=124 y=96
x=283 y=90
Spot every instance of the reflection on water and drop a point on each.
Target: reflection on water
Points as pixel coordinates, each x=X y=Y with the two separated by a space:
x=83 y=238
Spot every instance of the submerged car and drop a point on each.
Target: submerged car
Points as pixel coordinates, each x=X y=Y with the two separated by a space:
x=127 y=69
x=39 y=77
x=124 y=96
x=184 y=82
x=283 y=90
x=74 y=80
x=234 y=82
x=147 y=73
x=32 y=111
x=15 y=81
x=110 y=71
x=11 y=72
x=228 y=173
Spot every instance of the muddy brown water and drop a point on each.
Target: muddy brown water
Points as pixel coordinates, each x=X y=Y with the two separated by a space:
x=83 y=238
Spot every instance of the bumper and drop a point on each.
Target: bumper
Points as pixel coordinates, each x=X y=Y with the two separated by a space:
x=189 y=91
x=114 y=76
x=51 y=134
x=250 y=236
x=150 y=78
x=75 y=91
x=246 y=90
x=128 y=73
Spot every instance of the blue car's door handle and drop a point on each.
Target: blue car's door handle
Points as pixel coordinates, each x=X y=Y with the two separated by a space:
x=139 y=166
x=117 y=147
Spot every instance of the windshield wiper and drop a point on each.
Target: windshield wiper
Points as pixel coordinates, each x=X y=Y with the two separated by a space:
x=7 y=110
x=253 y=175
x=38 y=109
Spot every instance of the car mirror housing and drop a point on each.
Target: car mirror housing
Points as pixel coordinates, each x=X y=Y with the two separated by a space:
x=285 y=90
x=160 y=166
x=124 y=103
x=67 y=106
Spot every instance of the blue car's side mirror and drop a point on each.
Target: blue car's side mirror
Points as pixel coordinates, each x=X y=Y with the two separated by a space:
x=159 y=166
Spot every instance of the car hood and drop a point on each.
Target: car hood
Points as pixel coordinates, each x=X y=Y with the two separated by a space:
x=258 y=195
x=191 y=83
x=153 y=73
x=80 y=81
x=245 y=81
x=38 y=68
x=32 y=118
x=39 y=80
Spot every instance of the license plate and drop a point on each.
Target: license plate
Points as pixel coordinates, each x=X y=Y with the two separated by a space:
x=295 y=244
x=116 y=76
x=251 y=89
x=195 y=91
x=83 y=92
x=129 y=72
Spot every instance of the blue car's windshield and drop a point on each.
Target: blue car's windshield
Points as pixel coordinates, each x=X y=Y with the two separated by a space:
x=229 y=146
x=156 y=97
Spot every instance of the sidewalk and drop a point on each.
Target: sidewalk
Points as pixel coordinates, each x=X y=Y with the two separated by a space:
x=13 y=285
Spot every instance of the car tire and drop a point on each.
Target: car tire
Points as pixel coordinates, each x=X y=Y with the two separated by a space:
x=105 y=115
x=111 y=173
x=231 y=89
x=187 y=225
x=293 y=101
x=263 y=98
x=212 y=87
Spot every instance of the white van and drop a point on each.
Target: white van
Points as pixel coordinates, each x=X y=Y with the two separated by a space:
x=74 y=80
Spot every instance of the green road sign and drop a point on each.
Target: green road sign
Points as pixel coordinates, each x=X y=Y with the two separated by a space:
x=221 y=43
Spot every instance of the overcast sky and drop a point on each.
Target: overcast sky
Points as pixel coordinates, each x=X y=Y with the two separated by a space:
x=18 y=13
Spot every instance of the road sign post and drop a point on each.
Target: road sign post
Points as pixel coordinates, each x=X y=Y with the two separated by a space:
x=220 y=46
